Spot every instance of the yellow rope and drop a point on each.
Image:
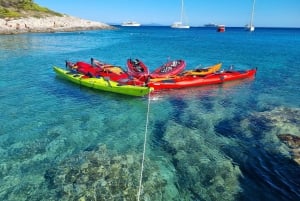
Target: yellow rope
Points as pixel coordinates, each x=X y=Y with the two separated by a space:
x=144 y=150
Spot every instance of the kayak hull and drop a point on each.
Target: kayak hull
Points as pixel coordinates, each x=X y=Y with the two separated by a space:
x=194 y=72
x=203 y=71
x=101 y=83
x=170 y=68
x=196 y=81
x=108 y=71
x=137 y=69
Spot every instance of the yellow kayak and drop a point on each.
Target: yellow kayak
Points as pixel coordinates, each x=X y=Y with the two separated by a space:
x=204 y=71
x=102 y=83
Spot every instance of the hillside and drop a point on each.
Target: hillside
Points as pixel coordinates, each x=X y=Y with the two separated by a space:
x=24 y=16
x=24 y=8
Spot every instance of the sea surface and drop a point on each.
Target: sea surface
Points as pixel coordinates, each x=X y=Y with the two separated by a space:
x=60 y=141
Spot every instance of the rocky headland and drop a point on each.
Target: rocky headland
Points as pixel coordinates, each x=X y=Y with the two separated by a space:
x=62 y=23
x=24 y=16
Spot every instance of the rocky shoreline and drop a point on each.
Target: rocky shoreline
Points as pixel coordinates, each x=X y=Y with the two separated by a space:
x=49 y=24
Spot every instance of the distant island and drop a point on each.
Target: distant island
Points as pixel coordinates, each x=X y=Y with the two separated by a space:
x=210 y=25
x=25 y=16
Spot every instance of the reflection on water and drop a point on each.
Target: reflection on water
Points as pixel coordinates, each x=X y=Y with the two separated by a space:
x=203 y=91
x=13 y=42
x=15 y=45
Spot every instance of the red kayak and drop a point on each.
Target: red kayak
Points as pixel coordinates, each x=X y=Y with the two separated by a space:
x=137 y=69
x=195 y=81
x=114 y=73
x=170 y=68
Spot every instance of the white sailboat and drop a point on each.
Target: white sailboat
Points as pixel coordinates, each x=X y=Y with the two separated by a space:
x=180 y=24
x=250 y=27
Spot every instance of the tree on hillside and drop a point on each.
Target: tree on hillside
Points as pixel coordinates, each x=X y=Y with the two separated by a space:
x=19 y=4
x=19 y=8
x=14 y=3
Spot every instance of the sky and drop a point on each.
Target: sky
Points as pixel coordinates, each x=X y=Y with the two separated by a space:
x=235 y=13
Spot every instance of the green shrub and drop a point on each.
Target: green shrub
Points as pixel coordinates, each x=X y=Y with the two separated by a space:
x=8 y=13
x=15 y=8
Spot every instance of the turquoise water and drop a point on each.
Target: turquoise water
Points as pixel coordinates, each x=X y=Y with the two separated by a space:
x=59 y=141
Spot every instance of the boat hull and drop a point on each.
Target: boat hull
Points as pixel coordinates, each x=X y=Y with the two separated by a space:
x=101 y=83
x=137 y=69
x=221 y=28
x=196 y=81
x=250 y=28
x=179 y=26
x=130 y=24
x=170 y=68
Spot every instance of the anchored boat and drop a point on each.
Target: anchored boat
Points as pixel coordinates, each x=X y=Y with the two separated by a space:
x=181 y=24
x=130 y=24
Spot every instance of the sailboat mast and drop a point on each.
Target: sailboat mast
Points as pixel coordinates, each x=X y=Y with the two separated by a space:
x=181 y=15
x=252 y=13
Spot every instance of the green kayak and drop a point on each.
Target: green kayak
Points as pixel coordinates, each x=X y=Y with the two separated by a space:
x=102 y=83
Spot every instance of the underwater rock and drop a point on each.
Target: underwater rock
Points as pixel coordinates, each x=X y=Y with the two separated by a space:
x=270 y=125
x=293 y=142
x=97 y=174
x=280 y=120
x=205 y=173
x=27 y=149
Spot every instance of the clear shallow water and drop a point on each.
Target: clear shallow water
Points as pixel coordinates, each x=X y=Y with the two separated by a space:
x=207 y=143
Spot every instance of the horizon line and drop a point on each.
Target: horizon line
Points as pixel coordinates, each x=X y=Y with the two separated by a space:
x=203 y=26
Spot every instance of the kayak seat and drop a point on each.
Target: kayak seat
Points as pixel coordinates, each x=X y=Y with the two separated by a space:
x=168 y=81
